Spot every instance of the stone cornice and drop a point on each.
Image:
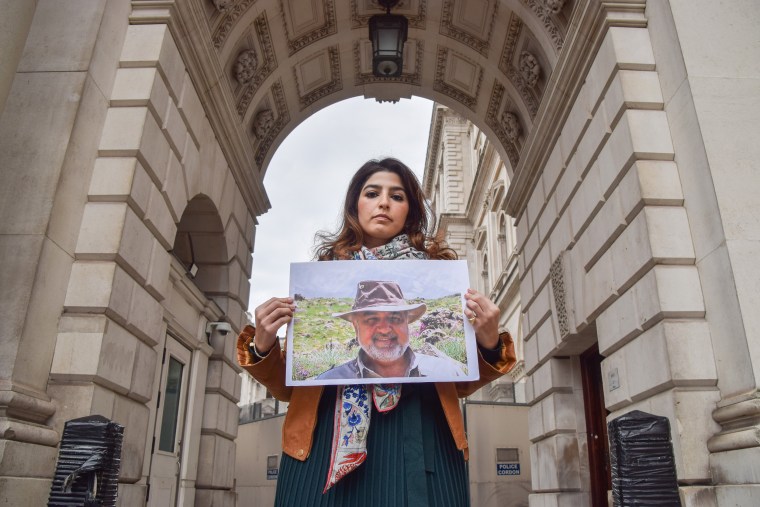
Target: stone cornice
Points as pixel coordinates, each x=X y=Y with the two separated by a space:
x=191 y=34
x=445 y=220
x=589 y=25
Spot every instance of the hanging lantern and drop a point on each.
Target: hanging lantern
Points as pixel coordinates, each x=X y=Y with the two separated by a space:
x=388 y=33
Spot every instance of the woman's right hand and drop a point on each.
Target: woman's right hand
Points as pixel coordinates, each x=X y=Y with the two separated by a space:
x=271 y=316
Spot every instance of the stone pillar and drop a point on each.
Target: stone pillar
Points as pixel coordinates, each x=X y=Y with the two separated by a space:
x=710 y=76
x=113 y=331
x=455 y=166
x=606 y=246
x=557 y=454
x=158 y=160
x=49 y=131
x=219 y=426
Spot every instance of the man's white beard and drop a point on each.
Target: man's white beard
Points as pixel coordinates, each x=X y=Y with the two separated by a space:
x=385 y=354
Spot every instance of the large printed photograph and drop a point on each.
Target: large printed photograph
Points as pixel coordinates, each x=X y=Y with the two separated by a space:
x=379 y=321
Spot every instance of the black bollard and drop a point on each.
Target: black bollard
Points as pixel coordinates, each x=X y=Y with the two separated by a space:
x=89 y=458
x=643 y=466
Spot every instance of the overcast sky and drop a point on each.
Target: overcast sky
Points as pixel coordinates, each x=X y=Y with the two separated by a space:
x=307 y=178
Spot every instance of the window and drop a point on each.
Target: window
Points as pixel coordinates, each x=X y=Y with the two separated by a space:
x=484 y=274
x=507 y=455
x=502 y=238
x=171 y=397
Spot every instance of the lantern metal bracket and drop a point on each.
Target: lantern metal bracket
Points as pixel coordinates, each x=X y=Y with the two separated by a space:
x=388 y=4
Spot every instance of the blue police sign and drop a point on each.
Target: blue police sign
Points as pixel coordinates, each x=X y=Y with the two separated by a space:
x=507 y=468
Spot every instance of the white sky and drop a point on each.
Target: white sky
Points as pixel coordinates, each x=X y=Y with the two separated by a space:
x=307 y=178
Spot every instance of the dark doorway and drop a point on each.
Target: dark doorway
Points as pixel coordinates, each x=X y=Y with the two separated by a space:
x=596 y=425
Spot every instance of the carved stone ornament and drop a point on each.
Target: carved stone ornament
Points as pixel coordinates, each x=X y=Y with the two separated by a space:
x=554 y=6
x=561 y=301
x=511 y=125
x=530 y=69
x=246 y=64
x=223 y=5
x=262 y=123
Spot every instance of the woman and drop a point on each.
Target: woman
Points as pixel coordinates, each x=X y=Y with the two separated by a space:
x=416 y=448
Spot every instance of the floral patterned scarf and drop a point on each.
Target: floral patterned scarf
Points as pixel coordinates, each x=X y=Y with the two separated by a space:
x=352 y=406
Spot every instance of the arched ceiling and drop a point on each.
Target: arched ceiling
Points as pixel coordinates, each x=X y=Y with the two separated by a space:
x=264 y=66
x=286 y=59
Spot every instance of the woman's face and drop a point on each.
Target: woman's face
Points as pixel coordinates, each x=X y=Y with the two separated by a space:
x=383 y=206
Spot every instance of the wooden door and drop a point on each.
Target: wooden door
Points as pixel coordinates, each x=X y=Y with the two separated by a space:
x=596 y=425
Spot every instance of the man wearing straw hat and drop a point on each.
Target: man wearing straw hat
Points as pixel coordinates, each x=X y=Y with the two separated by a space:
x=381 y=318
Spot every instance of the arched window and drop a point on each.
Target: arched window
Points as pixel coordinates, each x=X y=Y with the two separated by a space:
x=502 y=239
x=484 y=274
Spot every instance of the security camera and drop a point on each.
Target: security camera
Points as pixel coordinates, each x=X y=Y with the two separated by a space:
x=221 y=327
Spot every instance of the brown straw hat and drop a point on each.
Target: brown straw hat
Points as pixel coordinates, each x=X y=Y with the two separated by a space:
x=381 y=296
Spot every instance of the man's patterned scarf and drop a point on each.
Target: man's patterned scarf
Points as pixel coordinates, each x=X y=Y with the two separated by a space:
x=352 y=405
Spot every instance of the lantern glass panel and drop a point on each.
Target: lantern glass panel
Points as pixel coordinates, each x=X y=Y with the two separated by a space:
x=387 y=41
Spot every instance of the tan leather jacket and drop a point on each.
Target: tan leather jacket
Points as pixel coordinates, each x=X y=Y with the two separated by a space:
x=301 y=419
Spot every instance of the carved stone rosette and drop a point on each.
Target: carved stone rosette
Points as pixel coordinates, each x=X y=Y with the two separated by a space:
x=223 y=5
x=554 y=6
x=511 y=125
x=493 y=121
x=530 y=69
x=263 y=123
x=245 y=66
x=282 y=118
x=262 y=71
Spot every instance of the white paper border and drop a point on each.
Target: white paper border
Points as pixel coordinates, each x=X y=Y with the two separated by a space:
x=417 y=278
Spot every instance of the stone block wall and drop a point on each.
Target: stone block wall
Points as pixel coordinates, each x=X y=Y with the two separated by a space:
x=606 y=253
x=49 y=131
x=157 y=159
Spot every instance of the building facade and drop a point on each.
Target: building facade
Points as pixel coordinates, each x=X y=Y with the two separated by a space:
x=135 y=136
x=467 y=182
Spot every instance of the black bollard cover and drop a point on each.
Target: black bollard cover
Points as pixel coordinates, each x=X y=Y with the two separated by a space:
x=89 y=458
x=643 y=466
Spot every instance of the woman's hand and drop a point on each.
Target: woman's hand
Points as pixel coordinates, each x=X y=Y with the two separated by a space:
x=484 y=317
x=271 y=316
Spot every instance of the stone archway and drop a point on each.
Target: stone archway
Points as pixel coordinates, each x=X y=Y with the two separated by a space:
x=272 y=66
x=617 y=119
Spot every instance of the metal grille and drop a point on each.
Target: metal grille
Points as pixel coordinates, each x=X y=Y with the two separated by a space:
x=89 y=459
x=507 y=455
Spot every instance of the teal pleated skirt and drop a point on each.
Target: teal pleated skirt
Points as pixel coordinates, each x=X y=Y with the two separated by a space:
x=412 y=460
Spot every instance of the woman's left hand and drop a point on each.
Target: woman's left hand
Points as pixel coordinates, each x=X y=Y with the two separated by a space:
x=484 y=317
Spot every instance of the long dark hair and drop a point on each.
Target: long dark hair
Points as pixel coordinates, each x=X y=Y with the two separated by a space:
x=420 y=221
